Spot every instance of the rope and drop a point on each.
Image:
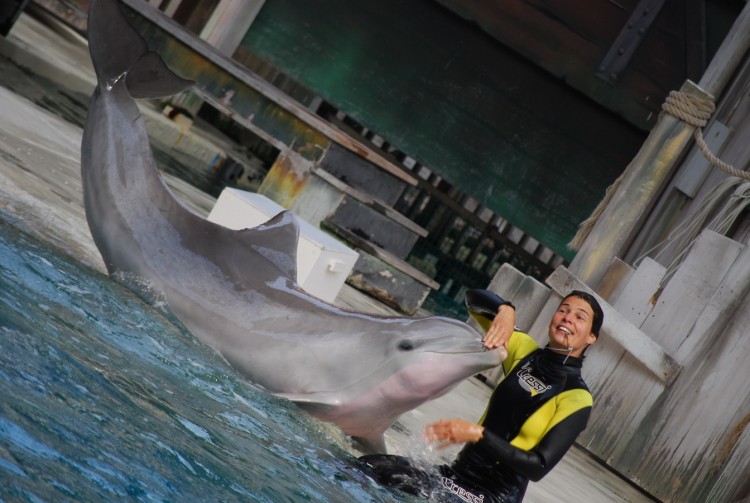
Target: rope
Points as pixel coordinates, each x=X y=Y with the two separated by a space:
x=584 y=229
x=690 y=109
x=721 y=222
x=695 y=111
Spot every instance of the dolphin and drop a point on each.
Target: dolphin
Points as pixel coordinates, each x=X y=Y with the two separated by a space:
x=236 y=290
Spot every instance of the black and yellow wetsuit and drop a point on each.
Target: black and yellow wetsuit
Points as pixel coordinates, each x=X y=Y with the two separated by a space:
x=533 y=417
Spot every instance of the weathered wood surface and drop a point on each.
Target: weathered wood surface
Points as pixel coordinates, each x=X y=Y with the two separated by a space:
x=677 y=429
x=656 y=160
x=729 y=138
x=614 y=280
x=607 y=362
x=693 y=435
x=729 y=57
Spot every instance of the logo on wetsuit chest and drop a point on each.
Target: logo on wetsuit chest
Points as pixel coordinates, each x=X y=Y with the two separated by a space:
x=534 y=384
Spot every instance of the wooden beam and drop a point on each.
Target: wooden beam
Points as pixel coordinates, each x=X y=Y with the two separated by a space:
x=619 y=329
x=729 y=56
x=568 y=38
x=229 y=23
x=628 y=40
x=245 y=95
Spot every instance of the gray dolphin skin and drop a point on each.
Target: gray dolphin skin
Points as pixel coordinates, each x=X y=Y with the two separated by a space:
x=236 y=290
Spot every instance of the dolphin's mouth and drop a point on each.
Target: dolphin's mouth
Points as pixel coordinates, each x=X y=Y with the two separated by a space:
x=478 y=349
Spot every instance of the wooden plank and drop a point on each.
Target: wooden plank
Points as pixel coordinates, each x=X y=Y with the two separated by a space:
x=689 y=290
x=381 y=254
x=737 y=461
x=253 y=99
x=614 y=280
x=317 y=200
x=694 y=170
x=720 y=309
x=228 y=24
x=371 y=202
x=699 y=427
x=634 y=304
x=729 y=57
x=507 y=281
x=628 y=40
x=529 y=300
x=618 y=328
x=670 y=323
x=608 y=366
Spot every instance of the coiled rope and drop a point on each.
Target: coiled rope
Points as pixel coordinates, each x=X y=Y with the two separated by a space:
x=696 y=110
x=689 y=108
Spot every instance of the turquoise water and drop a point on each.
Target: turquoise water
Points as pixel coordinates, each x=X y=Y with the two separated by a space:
x=104 y=400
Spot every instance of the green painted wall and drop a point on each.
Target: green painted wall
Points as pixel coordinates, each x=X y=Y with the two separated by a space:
x=446 y=93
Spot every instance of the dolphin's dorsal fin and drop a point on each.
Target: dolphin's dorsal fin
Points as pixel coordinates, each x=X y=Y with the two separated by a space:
x=276 y=240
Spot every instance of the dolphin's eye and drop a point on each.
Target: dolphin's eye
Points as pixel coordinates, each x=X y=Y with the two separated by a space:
x=406 y=345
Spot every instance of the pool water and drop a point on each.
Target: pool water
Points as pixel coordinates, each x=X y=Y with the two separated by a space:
x=104 y=399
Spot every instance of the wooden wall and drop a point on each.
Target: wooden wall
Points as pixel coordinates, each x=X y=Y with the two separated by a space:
x=684 y=440
x=687 y=441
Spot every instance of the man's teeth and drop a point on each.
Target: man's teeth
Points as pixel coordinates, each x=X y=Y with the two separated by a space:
x=565 y=330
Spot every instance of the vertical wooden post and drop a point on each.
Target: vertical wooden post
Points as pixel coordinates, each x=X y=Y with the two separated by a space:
x=642 y=181
x=229 y=24
x=645 y=176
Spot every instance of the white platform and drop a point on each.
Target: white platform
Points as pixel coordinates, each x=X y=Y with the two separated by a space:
x=323 y=263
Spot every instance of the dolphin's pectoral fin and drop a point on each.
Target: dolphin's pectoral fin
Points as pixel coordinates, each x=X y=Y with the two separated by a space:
x=276 y=240
x=371 y=445
x=321 y=408
x=310 y=404
x=149 y=77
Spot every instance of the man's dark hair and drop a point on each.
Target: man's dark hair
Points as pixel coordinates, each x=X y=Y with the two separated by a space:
x=596 y=323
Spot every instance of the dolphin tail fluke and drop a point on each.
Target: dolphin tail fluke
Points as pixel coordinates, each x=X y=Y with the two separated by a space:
x=149 y=77
x=118 y=50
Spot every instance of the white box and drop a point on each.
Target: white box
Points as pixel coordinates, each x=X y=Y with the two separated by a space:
x=323 y=263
